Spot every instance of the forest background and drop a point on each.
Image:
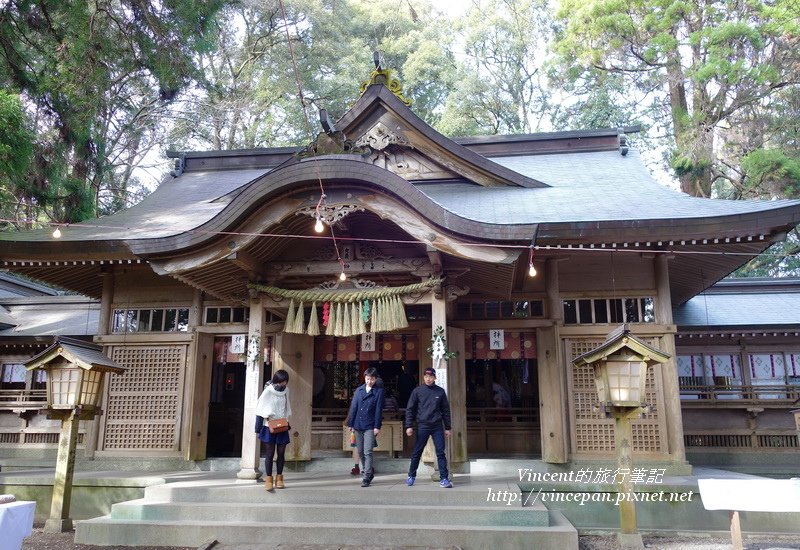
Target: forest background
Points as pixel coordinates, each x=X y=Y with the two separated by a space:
x=93 y=93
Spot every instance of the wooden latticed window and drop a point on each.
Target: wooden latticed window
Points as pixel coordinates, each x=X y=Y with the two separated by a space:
x=593 y=433
x=144 y=405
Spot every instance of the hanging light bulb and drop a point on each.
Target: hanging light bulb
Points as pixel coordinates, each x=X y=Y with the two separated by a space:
x=57 y=233
x=318 y=227
x=531 y=269
x=342 y=276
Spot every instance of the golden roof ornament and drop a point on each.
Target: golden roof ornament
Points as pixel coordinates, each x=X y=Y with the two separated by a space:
x=384 y=76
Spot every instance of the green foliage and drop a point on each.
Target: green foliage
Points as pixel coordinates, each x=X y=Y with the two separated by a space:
x=779 y=260
x=704 y=62
x=773 y=170
x=249 y=96
x=597 y=100
x=688 y=166
x=90 y=73
x=501 y=87
x=16 y=140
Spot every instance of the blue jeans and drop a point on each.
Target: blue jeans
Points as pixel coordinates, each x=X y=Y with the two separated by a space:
x=423 y=433
x=365 y=442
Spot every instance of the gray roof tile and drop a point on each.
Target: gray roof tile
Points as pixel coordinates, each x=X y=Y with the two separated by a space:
x=51 y=316
x=585 y=187
x=739 y=310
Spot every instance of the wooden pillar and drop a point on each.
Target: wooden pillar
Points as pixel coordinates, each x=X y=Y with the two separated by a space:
x=92 y=436
x=294 y=353
x=457 y=395
x=669 y=370
x=453 y=380
x=628 y=535
x=198 y=385
x=254 y=382
x=198 y=397
x=552 y=372
x=107 y=298
x=59 y=520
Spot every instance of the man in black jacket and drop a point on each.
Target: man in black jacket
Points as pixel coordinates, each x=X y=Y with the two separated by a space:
x=428 y=406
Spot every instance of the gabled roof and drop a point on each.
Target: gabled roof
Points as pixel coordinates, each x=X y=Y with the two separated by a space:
x=620 y=339
x=583 y=189
x=380 y=108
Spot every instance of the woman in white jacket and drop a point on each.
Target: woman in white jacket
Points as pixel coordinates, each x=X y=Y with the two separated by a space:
x=273 y=403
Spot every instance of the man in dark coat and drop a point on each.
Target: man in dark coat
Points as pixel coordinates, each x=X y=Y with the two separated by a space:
x=365 y=418
x=428 y=407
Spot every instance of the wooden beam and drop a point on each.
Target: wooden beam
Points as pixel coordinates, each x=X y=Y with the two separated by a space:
x=435 y=258
x=246 y=262
x=419 y=267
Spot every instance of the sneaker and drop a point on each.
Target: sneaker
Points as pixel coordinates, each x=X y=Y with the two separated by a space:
x=410 y=481
x=445 y=484
x=365 y=482
x=355 y=471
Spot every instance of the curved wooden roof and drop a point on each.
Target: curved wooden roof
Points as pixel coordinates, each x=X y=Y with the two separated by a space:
x=573 y=190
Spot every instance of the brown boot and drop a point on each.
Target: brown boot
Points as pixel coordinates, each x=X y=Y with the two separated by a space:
x=279 y=482
x=268 y=483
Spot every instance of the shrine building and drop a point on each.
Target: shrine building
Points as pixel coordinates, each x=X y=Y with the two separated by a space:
x=522 y=252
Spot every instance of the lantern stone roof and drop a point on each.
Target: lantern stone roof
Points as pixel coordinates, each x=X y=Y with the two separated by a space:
x=620 y=339
x=85 y=355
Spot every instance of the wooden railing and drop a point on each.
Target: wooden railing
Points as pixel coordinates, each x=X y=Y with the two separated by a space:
x=737 y=395
x=23 y=399
x=489 y=430
x=758 y=439
x=475 y=415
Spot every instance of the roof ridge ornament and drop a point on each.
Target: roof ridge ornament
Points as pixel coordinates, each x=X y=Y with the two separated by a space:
x=384 y=76
x=331 y=141
x=623 y=141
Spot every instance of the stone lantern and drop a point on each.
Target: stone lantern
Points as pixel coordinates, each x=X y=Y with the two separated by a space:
x=75 y=372
x=620 y=373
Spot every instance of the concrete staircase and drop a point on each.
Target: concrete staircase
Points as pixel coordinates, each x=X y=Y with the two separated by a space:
x=326 y=508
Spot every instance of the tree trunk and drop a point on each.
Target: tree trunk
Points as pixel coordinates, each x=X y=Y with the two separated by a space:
x=695 y=145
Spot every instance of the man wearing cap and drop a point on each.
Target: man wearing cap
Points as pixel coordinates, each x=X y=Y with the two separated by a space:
x=428 y=406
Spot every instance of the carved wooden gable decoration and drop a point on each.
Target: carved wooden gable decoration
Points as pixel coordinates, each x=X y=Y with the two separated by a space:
x=392 y=151
x=384 y=130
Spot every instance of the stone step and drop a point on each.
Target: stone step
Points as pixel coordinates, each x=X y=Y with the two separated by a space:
x=333 y=491
x=328 y=513
x=105 y=531
x=332 y=508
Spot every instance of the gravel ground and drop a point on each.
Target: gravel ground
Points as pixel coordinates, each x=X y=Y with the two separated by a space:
x=40 y=540
x=694 y=543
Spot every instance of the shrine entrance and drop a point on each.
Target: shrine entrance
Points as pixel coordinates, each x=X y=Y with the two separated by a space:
x=339 y=365
x=502 y=396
